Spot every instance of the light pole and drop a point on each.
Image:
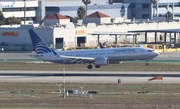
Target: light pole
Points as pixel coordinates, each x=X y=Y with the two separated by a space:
x=59 y=88
x=64 y=94
x=24 y=12
x=81 y=88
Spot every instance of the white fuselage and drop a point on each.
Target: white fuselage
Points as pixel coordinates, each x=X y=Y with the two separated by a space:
x=113 y=54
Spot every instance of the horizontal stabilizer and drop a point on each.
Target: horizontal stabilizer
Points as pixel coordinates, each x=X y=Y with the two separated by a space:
x=36 y=55
x=100 y=46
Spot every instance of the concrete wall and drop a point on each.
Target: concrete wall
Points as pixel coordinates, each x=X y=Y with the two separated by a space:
x=97 y=20
x=64 y=21
x=70 y=36
x=16 y=36
x=19 y=39
x=105 y=20
x=69 y=33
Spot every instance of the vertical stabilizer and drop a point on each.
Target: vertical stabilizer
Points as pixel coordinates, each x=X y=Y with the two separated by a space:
x=39 y=45
x=100 y=45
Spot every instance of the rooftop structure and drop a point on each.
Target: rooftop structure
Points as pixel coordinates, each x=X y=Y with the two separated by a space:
x=98 y=18
x=56 y=19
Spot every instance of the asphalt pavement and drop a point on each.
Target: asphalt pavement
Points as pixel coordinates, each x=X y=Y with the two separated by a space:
x=88 y=77
x=20 y=56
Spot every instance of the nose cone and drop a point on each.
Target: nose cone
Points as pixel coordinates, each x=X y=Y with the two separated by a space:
x=156 y=53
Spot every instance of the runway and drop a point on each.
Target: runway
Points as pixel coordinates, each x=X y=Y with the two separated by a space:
x=168 y=56
x=87 y=77
x=26 y=56
x=84 y=76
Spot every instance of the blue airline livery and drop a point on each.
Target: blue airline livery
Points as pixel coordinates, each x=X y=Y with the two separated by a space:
x=98 y=57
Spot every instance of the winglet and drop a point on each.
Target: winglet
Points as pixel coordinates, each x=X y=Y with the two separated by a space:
x=100 y=45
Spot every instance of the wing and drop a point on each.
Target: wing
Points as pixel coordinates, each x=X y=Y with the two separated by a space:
x=79 y=59
x=75 y=59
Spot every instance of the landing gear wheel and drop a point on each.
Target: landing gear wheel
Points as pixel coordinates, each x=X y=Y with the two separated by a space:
x=97 y=66
x=147 y=63
x=89 y=66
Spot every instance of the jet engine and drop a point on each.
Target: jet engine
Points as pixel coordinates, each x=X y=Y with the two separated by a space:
x=101 y=61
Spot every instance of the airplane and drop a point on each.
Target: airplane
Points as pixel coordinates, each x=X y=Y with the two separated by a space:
x=98 y=57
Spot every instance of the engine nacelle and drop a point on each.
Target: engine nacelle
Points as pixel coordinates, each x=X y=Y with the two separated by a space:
x=101 y=61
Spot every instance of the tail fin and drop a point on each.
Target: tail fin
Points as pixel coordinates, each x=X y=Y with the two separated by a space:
x=39 y=45
x=100 y=45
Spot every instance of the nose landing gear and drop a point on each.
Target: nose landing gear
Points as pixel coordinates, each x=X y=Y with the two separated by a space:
x=147 y=63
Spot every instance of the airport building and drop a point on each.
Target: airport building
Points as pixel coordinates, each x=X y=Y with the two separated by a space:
x=128 y=9
x=58 y=32
x=71 y=36
x=35 y=10
x=143 y=9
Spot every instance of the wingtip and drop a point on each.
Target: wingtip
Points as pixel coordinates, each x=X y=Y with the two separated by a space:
x=100 y=45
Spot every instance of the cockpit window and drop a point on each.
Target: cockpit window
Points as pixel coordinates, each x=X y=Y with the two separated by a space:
x=150 y=50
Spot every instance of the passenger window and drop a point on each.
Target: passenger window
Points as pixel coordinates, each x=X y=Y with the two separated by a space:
x=150 y=50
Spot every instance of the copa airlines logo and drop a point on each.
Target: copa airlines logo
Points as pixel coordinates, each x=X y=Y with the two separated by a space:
x=41 y=47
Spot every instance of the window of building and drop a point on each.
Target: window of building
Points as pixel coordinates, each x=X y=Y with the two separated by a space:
x=145 y=16
x=27 y=18
x=145 y=5
x=52 y=9
x=30 y=9
x=18 y=9
x=134 y=6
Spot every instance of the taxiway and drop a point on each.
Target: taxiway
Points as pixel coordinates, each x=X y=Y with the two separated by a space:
x=87 y=77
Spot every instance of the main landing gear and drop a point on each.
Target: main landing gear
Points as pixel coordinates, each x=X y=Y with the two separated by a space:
x=90 y=66
x=97 y=66
x=147 y=63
